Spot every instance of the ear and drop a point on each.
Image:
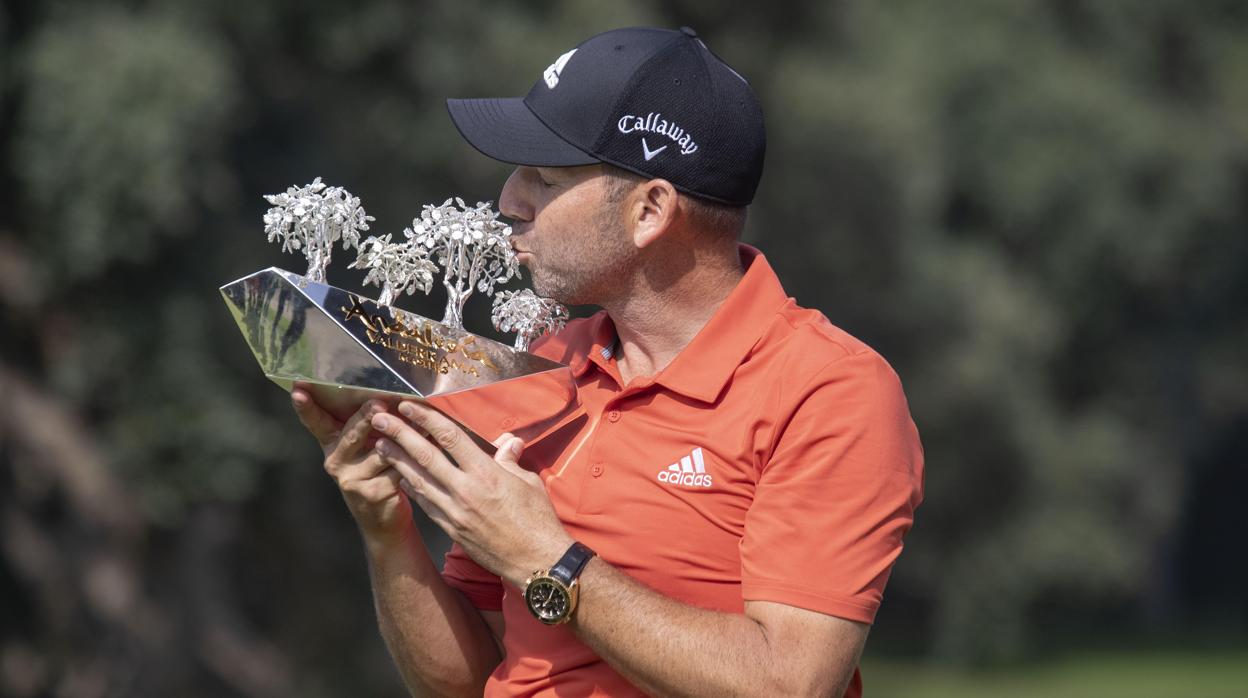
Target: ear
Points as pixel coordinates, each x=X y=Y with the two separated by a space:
x=655 y=208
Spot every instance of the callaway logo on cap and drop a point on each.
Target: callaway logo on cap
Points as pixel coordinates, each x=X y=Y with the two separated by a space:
x=652 y=101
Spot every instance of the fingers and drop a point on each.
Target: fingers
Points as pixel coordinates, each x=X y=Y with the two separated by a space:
x=367 y=466
x=435 y=513
x=394 y=457
x=375 y=489
x=394 y=477
x=323 y=427
x=354 y=433
x=414 y=451
x=415 y=477
x=443 y=432
x=508 y=454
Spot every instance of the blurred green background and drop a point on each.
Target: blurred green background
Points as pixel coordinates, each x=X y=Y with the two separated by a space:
x=1036 y=210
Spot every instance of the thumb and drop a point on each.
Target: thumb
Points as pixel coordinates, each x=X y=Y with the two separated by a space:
x=508 y=454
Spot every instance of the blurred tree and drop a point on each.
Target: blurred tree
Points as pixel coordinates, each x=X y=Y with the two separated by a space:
x=1037 y=214
x=1035 y=210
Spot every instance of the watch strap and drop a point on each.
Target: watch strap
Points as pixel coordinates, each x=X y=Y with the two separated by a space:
x=572 y=563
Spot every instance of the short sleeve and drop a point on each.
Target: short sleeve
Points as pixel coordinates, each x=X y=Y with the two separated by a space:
x=483 y=588
x=837 y=494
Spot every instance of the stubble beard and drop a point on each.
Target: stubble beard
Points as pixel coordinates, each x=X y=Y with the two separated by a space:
x=589 y=271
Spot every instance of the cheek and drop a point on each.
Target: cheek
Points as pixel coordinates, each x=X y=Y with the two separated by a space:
x=553 y=232
x=574 y=228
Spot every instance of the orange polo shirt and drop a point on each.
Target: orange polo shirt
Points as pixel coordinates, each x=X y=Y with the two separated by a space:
x=774 y=460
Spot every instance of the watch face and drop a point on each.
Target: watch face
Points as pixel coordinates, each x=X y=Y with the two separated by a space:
x=547 y=599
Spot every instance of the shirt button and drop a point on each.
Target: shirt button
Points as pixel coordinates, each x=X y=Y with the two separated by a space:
x=508 y=422
x=596 y=470
x=614 y=415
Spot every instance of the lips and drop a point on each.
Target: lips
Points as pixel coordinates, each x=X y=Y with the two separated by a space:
x=516 y=248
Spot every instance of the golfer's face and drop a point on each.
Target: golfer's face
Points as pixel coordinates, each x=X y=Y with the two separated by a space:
x=563 y=231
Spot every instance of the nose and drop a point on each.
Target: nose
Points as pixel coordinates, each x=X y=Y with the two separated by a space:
x=514 y=201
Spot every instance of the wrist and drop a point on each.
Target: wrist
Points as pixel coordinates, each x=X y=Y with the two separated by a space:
x=552 y=594
x=383 y=541
x=543 y=557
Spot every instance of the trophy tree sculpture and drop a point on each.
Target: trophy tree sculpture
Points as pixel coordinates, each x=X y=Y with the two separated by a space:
x=397 y=267
x=472 y=246
x=528 y=315
x=312 y=218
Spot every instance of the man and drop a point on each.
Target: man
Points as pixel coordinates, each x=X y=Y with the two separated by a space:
x=744 y=470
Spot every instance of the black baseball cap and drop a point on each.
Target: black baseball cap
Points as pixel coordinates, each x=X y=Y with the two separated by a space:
x=652 y=101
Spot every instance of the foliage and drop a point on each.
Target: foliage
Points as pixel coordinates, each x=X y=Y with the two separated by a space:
x=1035 y=210
x=1134 y=674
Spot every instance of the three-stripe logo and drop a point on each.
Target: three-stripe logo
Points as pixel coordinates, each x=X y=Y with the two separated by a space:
x=689 y=471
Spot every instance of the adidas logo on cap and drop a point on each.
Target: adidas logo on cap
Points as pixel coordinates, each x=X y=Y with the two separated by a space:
x=551 y=76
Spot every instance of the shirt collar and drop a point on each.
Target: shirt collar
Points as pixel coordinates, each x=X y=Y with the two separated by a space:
x=702 y=368
x=596 y=345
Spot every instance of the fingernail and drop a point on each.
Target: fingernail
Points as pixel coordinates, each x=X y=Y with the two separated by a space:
x=407 y=410
x=380 y=421
x=382 y=448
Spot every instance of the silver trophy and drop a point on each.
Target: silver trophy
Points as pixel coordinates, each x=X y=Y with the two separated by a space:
x=528 y=315
x=350 y=348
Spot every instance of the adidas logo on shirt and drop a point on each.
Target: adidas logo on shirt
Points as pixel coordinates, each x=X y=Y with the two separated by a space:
x=689 y=471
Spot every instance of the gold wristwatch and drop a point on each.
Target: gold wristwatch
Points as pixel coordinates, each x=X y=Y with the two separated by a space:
x=551 y=594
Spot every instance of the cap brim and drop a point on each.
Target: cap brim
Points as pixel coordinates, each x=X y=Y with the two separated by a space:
x=507 y=130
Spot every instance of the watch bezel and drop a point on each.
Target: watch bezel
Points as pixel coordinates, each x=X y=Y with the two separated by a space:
x=568 y=590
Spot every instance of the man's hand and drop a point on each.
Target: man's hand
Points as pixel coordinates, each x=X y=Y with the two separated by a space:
x=440 y=643
x=498 y=511
x=369 y=486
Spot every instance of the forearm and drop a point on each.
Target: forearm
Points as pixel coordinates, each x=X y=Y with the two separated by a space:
x=667 y=648
x=439 y=642
x=501 y=515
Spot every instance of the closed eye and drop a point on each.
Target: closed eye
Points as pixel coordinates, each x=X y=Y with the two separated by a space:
x=542 y=178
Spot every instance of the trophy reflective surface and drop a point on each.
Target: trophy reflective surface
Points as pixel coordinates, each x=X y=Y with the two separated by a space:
x=349 y=348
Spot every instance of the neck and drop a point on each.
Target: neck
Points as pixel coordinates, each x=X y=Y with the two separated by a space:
x=665 y=306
